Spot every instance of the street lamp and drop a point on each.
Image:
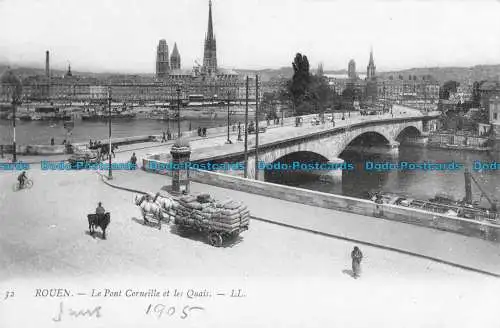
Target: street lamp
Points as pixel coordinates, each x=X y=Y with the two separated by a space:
x=14 y=90
x=178 y=112
x=228 y=102
x=110 y=172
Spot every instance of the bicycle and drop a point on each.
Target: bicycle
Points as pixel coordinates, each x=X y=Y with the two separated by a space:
x=28 y=184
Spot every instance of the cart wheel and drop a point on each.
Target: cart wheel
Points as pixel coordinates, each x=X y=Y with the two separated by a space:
x=215 y=239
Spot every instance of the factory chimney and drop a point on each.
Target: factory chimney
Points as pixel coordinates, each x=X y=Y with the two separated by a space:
x=47 y=65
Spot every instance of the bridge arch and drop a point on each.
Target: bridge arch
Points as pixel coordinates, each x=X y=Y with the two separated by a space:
x=365 y=139
x=408 y=132
x=293 y=172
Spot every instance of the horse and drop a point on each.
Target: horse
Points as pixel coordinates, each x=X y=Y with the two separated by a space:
x=101 y=221
x=165 y=203
x=148 y=206
x=104 y=150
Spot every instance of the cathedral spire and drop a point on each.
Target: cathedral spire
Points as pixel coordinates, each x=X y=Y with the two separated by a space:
x=370 y=70
x=210 y=49
x=210 y=30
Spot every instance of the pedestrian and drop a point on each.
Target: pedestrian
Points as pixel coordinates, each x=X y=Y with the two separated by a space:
x=239 y=131
x=204 y=132
x=52 y=141
x=356 y=257
x=164 y=138
x=133 y=160
x=199 y=131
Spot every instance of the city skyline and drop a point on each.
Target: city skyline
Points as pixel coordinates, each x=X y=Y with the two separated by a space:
x=93 y=36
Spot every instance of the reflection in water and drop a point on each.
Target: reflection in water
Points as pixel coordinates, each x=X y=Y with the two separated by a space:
x=416 y=184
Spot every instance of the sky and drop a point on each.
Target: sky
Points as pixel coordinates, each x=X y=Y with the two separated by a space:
x=122 y=35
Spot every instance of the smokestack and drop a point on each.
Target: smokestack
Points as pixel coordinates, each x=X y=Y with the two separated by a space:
x=47 y=65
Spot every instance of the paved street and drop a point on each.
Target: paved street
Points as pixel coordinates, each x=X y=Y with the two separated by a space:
x=43 y=236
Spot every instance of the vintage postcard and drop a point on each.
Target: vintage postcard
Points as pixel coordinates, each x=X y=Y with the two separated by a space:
x=229 y=163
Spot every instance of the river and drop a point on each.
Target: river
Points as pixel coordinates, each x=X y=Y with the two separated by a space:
x=40 y=132
x=417 y=184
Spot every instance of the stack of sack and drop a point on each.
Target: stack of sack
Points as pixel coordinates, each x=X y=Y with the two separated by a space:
x=231 y=215
x=204 y=212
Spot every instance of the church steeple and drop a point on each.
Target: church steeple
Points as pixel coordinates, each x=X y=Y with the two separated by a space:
x=210 y=30
x=68 y=72
x=210 y=52
x=370 y=70
x=175 y=58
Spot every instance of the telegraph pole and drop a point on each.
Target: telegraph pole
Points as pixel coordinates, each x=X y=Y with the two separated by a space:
x=228 y=102
x=256 y=127
x=14 y=103
x=110 y=172
x=246 y=131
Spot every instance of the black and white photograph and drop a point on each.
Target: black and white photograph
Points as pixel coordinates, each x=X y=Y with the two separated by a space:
x=259 y=163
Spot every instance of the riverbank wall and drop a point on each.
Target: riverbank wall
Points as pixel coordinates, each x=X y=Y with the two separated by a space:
x=472 y=228
x=484 y=230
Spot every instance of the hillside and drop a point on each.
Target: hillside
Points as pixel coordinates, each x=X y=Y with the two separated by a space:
x=440 y=74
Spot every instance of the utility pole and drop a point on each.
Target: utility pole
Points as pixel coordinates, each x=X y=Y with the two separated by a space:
x=228 y=123
x=246 y=131
x=14 y=104
x=110 y=172
x=256 y=127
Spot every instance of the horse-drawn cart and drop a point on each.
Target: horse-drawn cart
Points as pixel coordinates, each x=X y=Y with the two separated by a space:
x=216 y=236
x=220 y=221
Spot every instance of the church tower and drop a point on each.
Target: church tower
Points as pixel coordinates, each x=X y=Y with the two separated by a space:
x=162 y=66
x=371 y=81
x=210 y=51
x=175 y=59
x=351 y=70
x=370 y=70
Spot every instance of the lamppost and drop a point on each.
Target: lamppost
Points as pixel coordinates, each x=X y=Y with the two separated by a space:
x=110 y=172
x=14 y=91
x=178 y=112
x=228 y=102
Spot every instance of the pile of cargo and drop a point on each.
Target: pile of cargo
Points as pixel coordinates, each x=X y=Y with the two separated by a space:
x=204 y=212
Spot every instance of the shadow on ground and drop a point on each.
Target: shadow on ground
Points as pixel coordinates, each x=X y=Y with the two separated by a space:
x=96 y=234
x=193 y=234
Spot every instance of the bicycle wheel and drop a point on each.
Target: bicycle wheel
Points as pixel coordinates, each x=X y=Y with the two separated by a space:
x=28 y=184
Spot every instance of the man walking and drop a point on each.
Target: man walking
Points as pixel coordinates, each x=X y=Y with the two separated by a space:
x=356 y=257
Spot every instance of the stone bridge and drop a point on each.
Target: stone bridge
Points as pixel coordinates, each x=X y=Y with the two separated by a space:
x=327 y=145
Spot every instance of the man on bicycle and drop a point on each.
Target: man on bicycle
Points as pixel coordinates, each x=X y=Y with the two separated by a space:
x=22 y=179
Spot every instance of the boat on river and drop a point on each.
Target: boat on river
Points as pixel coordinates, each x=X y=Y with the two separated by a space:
x=104 y=115
x=446 y=205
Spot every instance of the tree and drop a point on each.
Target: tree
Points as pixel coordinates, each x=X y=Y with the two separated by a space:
x=308 y=93
x=301 y=79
